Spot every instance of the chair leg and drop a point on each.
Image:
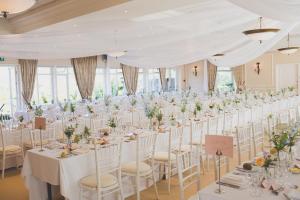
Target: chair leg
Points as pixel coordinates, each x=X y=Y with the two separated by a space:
x=137 y=185
x=3 y=166
x=154 y=183
x=169 y=177
x=121 y=188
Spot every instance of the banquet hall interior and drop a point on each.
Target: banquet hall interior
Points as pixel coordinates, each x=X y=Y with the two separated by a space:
x=149 y=99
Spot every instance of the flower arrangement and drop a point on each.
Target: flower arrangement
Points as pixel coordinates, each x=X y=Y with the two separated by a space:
x=38 y=111
x=172 y=119
x=292 y=136
x=266 y=161
x=219 y=107
x=69 y=131
x=77 y=138
x=117 y=107
x=183 y=108
x=132 y=101
x=86 y=133
x=21 y=119
x=150 y=111
x=291 y=88
x=72 y=107
x=280 y=141
x=198 y=106
x=44 y=99
x=107 y=100
x=63 y=108
x=112 y=122
x=90 y=109
x=159 y=117
x=211 y=106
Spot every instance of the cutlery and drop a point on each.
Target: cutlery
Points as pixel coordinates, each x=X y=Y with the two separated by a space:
x=228 y=185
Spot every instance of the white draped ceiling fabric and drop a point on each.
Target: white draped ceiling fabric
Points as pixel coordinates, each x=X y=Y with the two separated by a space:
x=161 y=33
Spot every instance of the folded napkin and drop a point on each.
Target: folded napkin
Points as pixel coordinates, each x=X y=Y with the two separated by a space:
x=80 y=151
x=293 y=194
x=235 y=180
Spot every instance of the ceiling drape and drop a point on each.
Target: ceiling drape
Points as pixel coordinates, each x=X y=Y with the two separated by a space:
x=239 y=78
x=130 y=75
x=28 y=73
x=85 y=72
x=212 y=75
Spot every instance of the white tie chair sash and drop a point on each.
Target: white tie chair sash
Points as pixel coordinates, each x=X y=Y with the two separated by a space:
x=243 y=142
x=188 y=172
x=8 y=151
x=143 y=166
x=107 y=179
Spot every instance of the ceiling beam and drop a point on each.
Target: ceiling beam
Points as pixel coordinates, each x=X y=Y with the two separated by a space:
x=55 y=12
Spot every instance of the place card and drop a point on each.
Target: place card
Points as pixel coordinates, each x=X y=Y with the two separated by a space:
x=213 y=143
x=40 y=123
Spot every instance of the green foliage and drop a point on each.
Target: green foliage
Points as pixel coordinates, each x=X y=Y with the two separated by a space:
x=69 y=131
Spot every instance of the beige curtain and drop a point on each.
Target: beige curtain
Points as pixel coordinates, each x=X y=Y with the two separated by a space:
x=85 y=72
x=28 y=72
x=131 y=75
x=163 y=80
x=238 y=75
x=212 y=75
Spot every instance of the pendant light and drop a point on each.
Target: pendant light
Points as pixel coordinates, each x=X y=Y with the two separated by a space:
x=288 y=50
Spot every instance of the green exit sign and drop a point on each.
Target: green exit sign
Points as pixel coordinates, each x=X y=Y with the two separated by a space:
x=2 y=59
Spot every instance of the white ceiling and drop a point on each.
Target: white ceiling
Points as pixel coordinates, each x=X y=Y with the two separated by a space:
x=155 y=33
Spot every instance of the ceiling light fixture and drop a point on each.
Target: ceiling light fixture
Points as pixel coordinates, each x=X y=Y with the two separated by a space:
x=288 y=50
x=117 y=54
x=14 y=6
x=218 y=56
x=261 y=34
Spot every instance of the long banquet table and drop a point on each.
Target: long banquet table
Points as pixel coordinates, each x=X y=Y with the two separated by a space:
x=245 y=193
x=45 y=167
x=40 y=168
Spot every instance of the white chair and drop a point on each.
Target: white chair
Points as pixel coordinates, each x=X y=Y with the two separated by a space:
x=168 y=158
x=143 y=166
x=188 y=171
x=196 y=138
x=9 y=151
x=243 y=138
x=107 y=179
x=257 y=138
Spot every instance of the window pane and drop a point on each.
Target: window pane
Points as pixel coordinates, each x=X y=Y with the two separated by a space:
x=171 y=79
x=73 y=89
x=224 y=81
x=62 y=89
x=117 y=82
x=8 y=89
x=99 y=84
x=140 y=84
x=43 y=86
x=154 y=80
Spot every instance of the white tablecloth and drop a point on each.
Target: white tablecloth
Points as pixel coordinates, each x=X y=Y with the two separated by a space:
x=43 y=167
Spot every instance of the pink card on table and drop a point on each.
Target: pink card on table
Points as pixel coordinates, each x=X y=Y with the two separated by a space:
x=213 y=143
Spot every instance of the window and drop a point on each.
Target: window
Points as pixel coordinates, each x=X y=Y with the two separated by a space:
x=171 y=79
x=224 y=80
x=117 y=82
x=62 y=89
x=73 y=88
x=99 y=83
x=154 y=80
x=43 y=86
x=8 y=89
x=141 y=85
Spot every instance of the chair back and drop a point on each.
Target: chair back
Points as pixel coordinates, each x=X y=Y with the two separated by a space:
x=243 y=137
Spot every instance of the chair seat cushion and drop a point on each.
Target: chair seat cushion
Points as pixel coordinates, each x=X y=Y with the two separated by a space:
x=131 y=168
x=163 y=156
x=11 y=149
x=106 y=180
x=37 y=143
